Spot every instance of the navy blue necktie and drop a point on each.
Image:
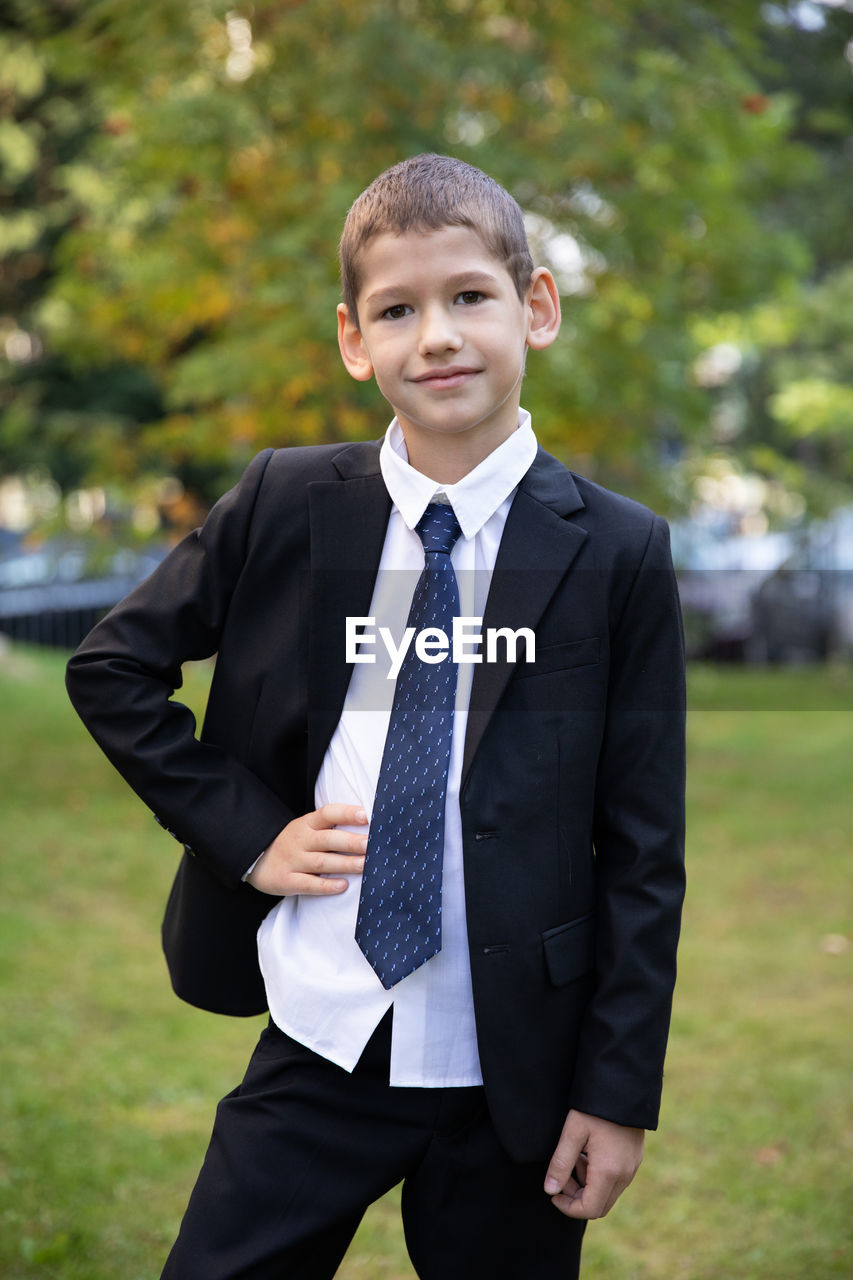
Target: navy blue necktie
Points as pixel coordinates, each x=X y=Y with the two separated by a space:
x=399 y=912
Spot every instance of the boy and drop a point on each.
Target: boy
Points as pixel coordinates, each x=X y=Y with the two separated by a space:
x=466 y=903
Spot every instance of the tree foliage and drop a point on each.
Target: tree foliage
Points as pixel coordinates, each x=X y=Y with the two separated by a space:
x=193 y=172
x=788 y=412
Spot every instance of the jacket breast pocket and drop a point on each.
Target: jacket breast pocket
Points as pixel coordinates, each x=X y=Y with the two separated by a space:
x=561 y=657
x=570 y=950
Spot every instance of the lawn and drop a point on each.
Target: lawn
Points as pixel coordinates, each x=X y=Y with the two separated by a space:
x=108 y=1083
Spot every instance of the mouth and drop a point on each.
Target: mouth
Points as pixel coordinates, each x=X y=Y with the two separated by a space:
x=439 y=379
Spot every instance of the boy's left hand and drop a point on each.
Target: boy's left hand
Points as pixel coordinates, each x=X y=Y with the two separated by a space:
x=593 y=1163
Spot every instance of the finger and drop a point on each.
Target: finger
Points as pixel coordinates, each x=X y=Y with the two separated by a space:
x=599 y=1210
x=337 y=815
x=594 y=1198
x=307 y=885
x=289 y=882
x=334 y=864
x=612 y=1198
x=319 y=862
x=563 y=1162
x=336 y=840
x=572 y=1191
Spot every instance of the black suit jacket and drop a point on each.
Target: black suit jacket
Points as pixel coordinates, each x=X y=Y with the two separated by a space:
x=572 y=783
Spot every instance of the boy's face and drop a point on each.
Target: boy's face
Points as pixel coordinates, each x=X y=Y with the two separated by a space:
x=444 y=332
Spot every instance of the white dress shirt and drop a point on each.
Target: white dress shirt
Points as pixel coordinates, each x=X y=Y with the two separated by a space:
x=320 y=988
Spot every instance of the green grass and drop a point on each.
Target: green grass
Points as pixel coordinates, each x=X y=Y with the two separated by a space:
x=108 y=1083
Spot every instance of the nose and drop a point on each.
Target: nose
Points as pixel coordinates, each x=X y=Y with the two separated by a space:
x=438 y=332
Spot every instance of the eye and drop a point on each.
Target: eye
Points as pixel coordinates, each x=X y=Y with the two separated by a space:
x=397 y=312
x=470 y=297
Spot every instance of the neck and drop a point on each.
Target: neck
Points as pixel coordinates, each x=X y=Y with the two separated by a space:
x=448 y=459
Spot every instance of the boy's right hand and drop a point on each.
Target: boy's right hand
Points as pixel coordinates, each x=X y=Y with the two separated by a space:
x=308 y=850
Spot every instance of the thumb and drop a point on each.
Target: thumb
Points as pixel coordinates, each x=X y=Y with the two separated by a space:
x=565 y=1157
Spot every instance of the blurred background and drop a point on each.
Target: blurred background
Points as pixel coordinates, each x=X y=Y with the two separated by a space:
x=173 y=180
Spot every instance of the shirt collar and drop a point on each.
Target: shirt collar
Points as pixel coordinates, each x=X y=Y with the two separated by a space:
x=476 y=497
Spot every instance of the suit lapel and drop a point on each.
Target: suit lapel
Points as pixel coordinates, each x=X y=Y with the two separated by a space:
x=536 y=550
x=348 y=519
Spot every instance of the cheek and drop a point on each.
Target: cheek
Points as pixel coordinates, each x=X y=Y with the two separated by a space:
x=505 y=343
x=384 y=375
x=511 y=359
x=385 y=359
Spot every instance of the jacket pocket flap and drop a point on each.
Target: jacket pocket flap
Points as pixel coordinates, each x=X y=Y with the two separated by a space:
x=561 y=657
x=570 y=950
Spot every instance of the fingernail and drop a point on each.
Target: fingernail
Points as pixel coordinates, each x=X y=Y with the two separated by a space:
x=360 y=817
x=552 y=1186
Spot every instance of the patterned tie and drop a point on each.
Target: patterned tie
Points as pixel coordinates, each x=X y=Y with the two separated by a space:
x=399 y=912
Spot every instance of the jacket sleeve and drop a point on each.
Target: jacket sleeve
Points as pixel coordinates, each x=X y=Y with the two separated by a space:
x=639 y=850
x=122 y=678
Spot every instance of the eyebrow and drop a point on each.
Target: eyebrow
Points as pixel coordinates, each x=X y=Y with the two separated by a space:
x=463 y=280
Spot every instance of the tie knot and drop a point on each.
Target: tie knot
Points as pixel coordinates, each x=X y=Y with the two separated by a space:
x=438 y=528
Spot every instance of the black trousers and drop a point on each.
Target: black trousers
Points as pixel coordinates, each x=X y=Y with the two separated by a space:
x=301 y=1148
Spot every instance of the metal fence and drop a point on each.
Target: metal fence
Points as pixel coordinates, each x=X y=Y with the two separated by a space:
x=59 y=615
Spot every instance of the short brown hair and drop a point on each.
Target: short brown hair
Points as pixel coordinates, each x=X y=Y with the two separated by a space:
x=428 y=192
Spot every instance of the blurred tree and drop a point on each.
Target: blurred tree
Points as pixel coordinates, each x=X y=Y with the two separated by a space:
x=653 y=145
x=56 y=416
x=787 y=409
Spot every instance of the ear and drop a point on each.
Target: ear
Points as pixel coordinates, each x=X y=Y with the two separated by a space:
x=543 y=301
x=353 y=351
